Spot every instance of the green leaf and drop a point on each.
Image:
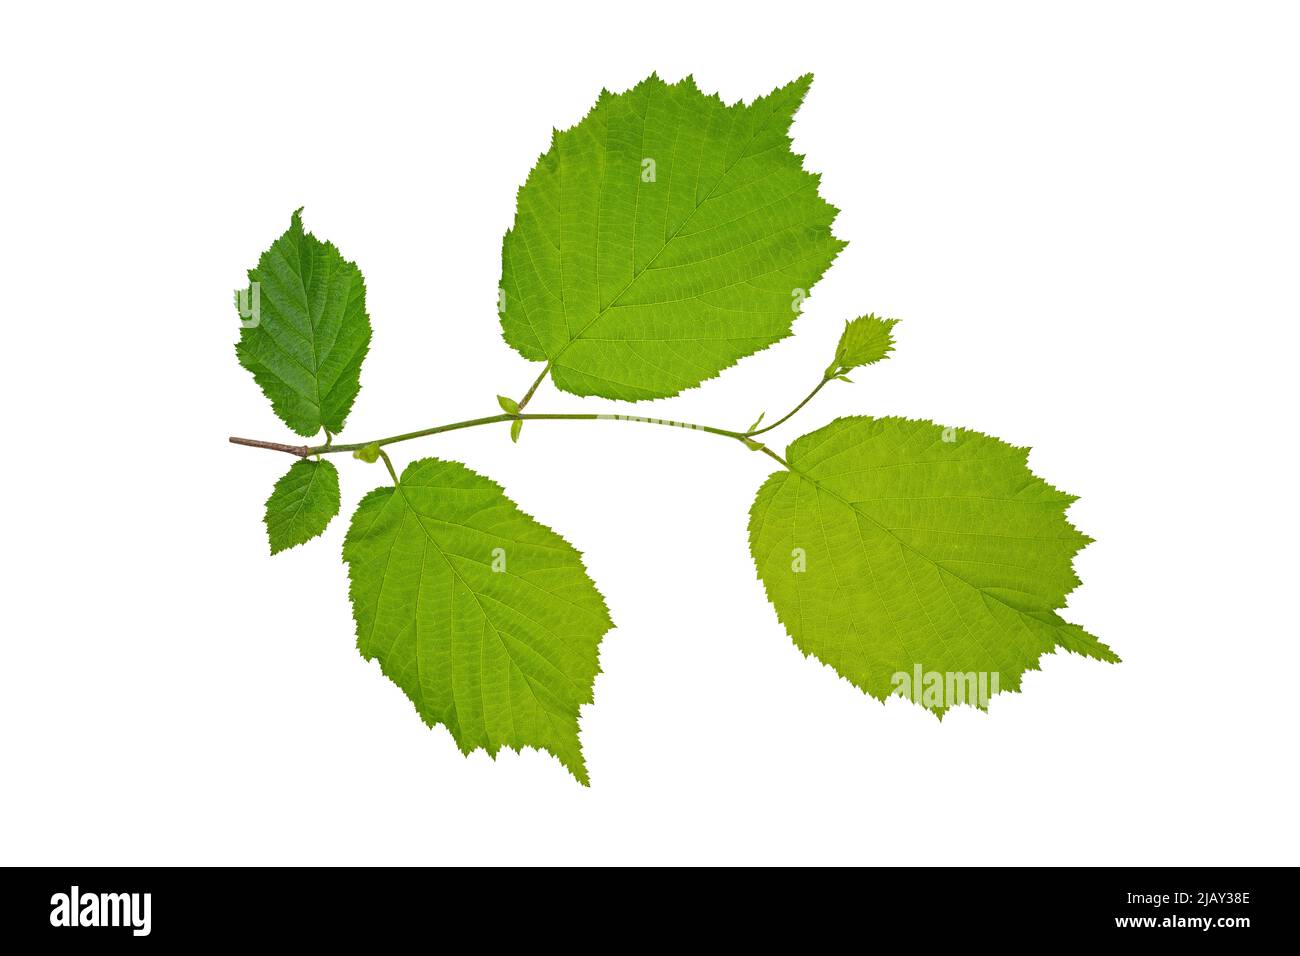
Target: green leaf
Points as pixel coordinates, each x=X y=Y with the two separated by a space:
x=508 y=405
x=515 y=428
x=306 y=331
x=899 y=547
x=304 y=501
x=864 y=340
x=484 y=617
x=663 y=238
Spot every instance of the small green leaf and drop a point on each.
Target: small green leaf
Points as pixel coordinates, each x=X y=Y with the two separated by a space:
x=303 y=503
x=508 y=405
x=306 y=331
x=515 y=428
x=864 y=340
x=757 y=421
x=485 y=618
x=898 y=547
x=368 y=454
x=662 y=239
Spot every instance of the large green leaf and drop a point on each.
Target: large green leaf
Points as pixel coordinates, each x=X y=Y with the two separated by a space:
x=663 y=238
x=899 y=547
x=484 y=617
x=305 y=330
x=304 y=501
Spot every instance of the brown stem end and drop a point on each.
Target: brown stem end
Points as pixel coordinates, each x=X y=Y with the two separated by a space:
x=302 y=451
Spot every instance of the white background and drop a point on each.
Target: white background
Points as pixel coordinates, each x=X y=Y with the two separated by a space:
x=1086 y=216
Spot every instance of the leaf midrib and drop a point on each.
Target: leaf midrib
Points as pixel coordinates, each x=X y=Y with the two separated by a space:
x=550 y=714
x=925 y=557
x=744 y=153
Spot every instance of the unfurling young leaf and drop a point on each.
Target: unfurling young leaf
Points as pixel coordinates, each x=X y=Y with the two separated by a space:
x=306 y=330
x=304 y=501
x=864 y=340
x=663 y=238
x=917 y=550
x=484 y=617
